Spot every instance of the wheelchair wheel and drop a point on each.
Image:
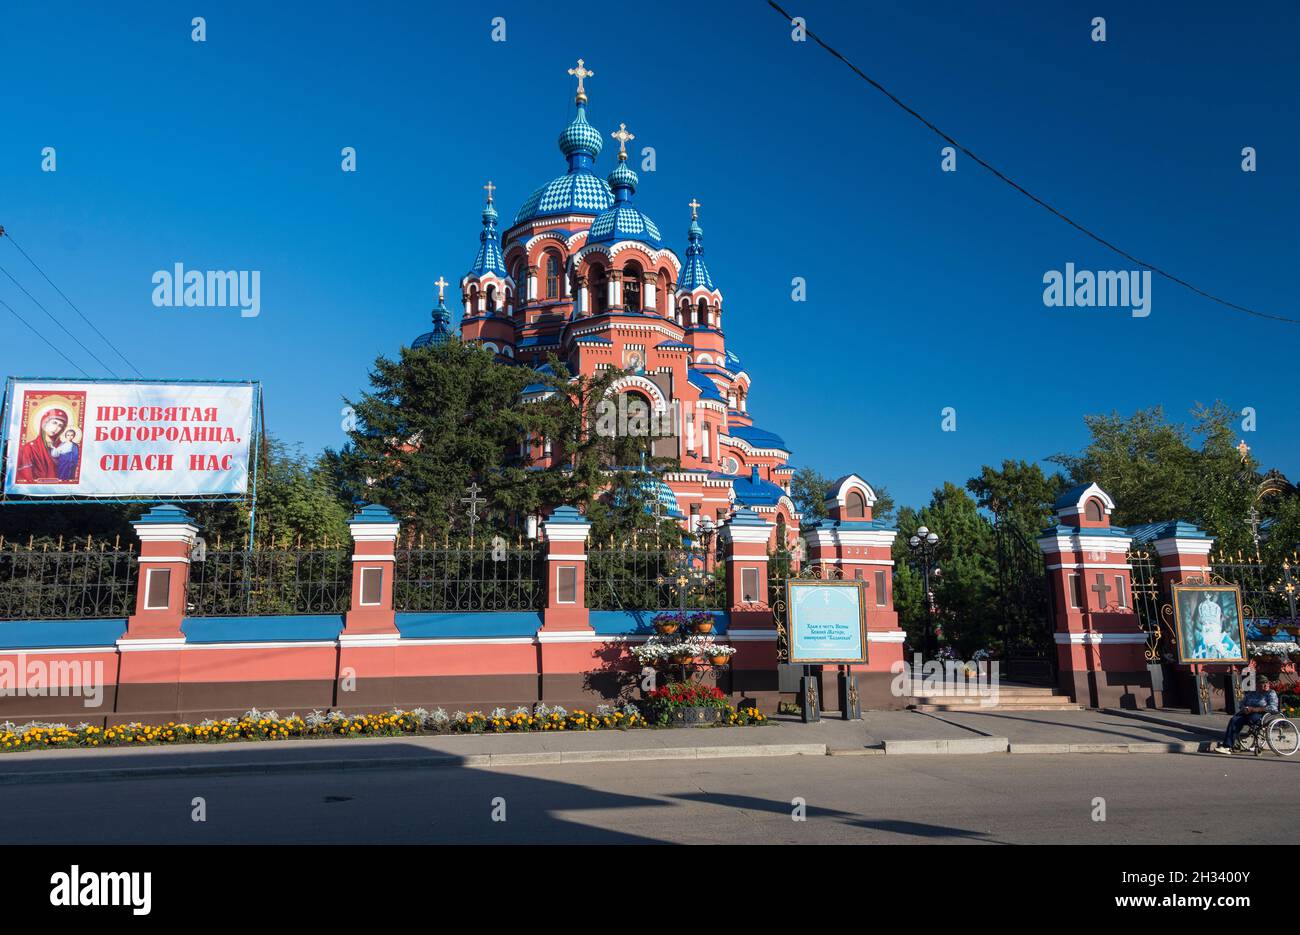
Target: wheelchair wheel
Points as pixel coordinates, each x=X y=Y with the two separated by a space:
x=1282 y=736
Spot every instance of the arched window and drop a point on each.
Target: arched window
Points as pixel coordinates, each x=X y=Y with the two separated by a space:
x=1093 y=511
x=855 y=505
x=702 y=314
x=491 y=299
x=706 y=441
x=552 y=276
x=632 y=287
x=521 y=280
x=780 y=532
x=599 y=288
x=473 y=300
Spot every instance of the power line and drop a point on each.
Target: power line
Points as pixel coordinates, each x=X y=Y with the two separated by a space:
x=1030 y=195
x=103 y=337
x=53 y=347
x=56 y=321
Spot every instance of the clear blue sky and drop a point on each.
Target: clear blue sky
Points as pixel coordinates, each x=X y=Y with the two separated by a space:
x=925 y=288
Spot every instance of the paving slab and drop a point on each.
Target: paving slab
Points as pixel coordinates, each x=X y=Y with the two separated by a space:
x=1087 y=727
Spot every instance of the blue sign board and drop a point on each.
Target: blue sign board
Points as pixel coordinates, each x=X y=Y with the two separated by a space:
x=827 y=621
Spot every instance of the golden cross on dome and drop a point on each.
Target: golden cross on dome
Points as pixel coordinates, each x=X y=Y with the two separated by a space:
x=1244 y=450
x=623 y=138
x=442 y=285
x=581 y=72
x=695 y=209
x=490 y=189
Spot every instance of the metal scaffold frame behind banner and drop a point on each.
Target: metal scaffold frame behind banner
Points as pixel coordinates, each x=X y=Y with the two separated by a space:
x=257 y=450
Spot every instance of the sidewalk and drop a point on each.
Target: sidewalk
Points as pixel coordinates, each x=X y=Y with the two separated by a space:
x=878 y=733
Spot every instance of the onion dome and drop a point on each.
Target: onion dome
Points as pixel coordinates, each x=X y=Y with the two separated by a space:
x=579 y=190
x=695 y=275
x=441 y=321
x=623 y=220
x=650 y=490
x=489 y=258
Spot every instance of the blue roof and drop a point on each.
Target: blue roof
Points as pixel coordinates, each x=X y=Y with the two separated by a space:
x=489 y=258
x=654 y=489
x=1169 y=529
x=708 y=389
x=850 y=524
x=623 y=622
x=1071 y=496
x=695 y=274
x=756 y=437
x=754 y=491
x=673 y=346
x=579 y=190
x=539 y=340
x=483 y=624
x=1102 y=531
x=592 y=339
x=35 y=634
x=261 y=629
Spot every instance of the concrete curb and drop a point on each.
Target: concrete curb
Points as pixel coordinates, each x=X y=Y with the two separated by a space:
x=952 y=746
x=1140 y=747
x=436 y=761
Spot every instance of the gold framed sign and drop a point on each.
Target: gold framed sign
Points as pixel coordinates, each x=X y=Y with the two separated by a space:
x=1208 y=623
x=827 y=622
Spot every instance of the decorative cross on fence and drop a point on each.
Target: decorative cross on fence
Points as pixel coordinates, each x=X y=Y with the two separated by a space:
x=473 y=503
x=687 y=576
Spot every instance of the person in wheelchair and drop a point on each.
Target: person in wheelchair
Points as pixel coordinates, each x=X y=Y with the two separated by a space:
x=1254 y=705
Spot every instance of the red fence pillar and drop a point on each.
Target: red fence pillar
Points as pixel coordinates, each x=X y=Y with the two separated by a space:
x=1100 y=643
x=566 y=532
x=166 y=536
x=374 y=560
x=752 y=629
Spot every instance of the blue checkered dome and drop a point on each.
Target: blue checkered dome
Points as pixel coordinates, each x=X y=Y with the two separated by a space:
x=579 y=190
x=623 y=220
x=441 y=328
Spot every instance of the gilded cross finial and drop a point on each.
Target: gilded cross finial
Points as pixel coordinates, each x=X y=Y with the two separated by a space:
x=695 y=209
x=442 y=285
x=490 y=188
x=581 y=72
x=1244 y=450
x=623 y=138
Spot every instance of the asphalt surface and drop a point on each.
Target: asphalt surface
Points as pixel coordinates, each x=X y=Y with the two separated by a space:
x=994 y=799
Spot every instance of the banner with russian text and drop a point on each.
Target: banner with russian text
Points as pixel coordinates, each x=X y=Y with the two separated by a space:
x=127 y=439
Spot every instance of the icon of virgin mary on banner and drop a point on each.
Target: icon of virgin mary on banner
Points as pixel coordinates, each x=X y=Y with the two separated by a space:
x=50 y=450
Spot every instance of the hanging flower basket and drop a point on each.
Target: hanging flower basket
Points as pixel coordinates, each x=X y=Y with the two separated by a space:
x=668 y=622
x=721 y=659
x=701 y=622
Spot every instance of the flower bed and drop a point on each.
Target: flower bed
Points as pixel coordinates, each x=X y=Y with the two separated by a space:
x=685 y=703
x=267 y=725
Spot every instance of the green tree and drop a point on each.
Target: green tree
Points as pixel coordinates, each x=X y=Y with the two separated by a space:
x=1018 y=491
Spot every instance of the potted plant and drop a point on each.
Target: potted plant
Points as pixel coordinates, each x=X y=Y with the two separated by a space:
x=701 y=622
x=721 y=654
x=667 y=623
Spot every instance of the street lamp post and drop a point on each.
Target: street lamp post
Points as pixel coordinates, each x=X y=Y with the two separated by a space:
x=923 y=546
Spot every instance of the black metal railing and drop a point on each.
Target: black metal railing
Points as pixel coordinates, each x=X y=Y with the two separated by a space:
x=484 y=576
x=653 y=575
x=83 y=581
x=239 y=583
x=1269 y=586
x=1146 y=599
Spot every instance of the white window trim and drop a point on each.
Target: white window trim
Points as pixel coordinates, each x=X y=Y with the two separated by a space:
x=148 y=588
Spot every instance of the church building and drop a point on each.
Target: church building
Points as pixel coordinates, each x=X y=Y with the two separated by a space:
x=584 y=274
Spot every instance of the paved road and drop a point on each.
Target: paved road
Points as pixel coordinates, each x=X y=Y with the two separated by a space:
x=995 y=799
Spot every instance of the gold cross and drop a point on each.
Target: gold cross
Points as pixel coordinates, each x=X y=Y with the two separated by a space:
x=695 y=209
x=1244 y=450
x=580 y=73
x=623 y=137
x=441 y=284
x=490 y=189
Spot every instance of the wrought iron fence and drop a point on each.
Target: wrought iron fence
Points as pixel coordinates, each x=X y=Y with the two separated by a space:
x=83 y=581
x=1268 y=585
x=1144 y=575
x=238 y=583
x=653 y=574
x=483 y=576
